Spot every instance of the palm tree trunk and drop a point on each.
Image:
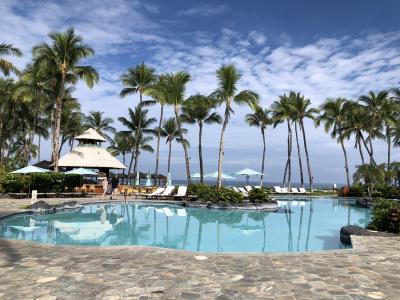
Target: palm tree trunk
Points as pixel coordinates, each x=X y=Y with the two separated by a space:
x=289 y=153
x=200 y=153
x=345 y=159
x=310 y=177
x=299 y=155
x=71 y=145
x=263 y=158
x=361 y=152
x=158 y=142
x=130 y=165
x=138 y=133
x=39 y=146
x=388 y=137
x=221 y=146
x=178 y=122
x=58 y=110
x=284 y=174
x=368 y=150
x=169 y=156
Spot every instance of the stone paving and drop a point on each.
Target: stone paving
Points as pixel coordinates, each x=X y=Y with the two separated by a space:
x=28 y=270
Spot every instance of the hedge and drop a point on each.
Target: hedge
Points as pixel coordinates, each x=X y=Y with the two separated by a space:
x=386 y=216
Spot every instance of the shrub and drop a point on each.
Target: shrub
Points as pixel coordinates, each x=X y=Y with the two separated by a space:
x=228 y=195
x=14 y=183
x=209 y=193
x=386 y=216
x=357 y=191
x=71 y=181
x=258 y=196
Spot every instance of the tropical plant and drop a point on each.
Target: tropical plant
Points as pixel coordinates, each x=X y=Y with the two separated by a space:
x=102 y=125
x=371 y=175
x=122 y=145
x=260 y=118
x=334 y=116
x=59 y=61
x=175 y=85
x=385 y=216
x=171 y=132
x=227 y=94
x=199 y=109
x=138 y=125
x=6 y=66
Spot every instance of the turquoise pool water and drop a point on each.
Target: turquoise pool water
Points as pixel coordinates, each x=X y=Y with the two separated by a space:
x=298 y=226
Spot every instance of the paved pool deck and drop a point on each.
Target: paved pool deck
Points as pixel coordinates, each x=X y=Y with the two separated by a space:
x=28 y=270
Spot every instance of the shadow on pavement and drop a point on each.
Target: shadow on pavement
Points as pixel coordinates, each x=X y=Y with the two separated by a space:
x=8 y=254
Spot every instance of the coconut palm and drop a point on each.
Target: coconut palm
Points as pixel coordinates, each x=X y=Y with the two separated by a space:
x=260 y=118
x=334 y=116
x=374 y=103
x=175 y=85
x=7 y=114
x=171 y=132
x=227 y=94
x=370 y=175
x=102 y=125
x=301 y=110
x=6 y=66
x=396 y=135
x=199 y=109
x=389 y=114
x=137 y=80
x=282 y=112
x=138 y=121
x=60 y=61
x=71 y=126
x=122 y=145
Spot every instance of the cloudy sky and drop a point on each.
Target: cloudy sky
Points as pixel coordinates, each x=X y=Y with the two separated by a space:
x=319 y=48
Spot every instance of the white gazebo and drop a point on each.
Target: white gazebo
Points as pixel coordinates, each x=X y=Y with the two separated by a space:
x=89 y=154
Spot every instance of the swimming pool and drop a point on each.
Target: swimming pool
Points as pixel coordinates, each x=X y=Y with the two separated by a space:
x=299 y=225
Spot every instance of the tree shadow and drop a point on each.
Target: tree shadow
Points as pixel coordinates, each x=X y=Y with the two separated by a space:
x=9 y=254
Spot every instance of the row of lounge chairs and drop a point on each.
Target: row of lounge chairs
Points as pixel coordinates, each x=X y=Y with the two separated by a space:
x=166 y=193
x=293 y=191
x=244 y=191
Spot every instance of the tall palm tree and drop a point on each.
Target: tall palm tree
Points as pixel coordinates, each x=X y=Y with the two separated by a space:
x=60 y=61
x=7 y=114
x=122 y=145
x=138 y=122
x=389 y=117
x=171 y=132
x=6 y=66
x=227 y=94
x=333 y=116
x=301 y=110
x=158 y=92
x=370 y=175
x=260 y=118
x=199 y=109
x=175 y=86
x=374 y=103
x=282 y=112
x=102 y=125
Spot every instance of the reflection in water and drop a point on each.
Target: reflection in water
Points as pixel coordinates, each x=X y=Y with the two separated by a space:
x=194 y=229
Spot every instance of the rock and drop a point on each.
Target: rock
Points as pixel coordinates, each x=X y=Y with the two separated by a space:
x=41 y=206
x=44 y=207
x=346 y=231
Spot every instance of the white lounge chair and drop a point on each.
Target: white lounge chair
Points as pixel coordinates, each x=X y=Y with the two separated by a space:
x=294 y=190
x=303 y=191
x=181 y=191
x=248 y=188
x=158 y=191
x=278 y=189
x=235 y=189
x=166 y=193
x=257 y=187
x=284 y=191
x=243 y=192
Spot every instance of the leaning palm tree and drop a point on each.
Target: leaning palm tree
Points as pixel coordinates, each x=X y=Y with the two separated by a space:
x=282 y=112
x=227 y=94
x=301 y=110
x=171 y=132
x=333 y=116
x=60 y=61
x=6 y=66
x=374 y=103
x=102 y=125
x=138 y=122
x=175 y=85
x=370 y=175
x=260 y=118
x=199 y=109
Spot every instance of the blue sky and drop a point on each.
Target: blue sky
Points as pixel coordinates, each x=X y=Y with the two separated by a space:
x=320 y=48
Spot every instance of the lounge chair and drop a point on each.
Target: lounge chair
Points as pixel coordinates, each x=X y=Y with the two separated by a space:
x=235 y=189
x=257 y=187
x=243 y=192
x=284 y=191
x=248 y=188
x=295 y=190
x=157 y=192
x=166 y=193
x=278 y=190
x=181 y=191
x=303 y=191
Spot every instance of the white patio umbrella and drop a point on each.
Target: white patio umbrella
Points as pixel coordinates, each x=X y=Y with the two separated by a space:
x=215 y=175
x=248 y=172
x=169 y=179
x=82 y=171
x=30 y=170
x=148 y=180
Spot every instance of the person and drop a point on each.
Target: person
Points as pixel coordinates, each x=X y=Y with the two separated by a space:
x=114 y=186
x=104 y=183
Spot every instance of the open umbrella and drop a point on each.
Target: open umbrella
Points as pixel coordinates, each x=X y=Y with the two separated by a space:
x=148 y=180
x=169 y=179
x=30 y=170
x=82 y=171
x=248 y=172
x=215 y=175
x=137 y=181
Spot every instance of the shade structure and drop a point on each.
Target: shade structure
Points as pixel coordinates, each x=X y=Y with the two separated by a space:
x=215 y=175
x=195 y=175
x=137 y=180
x=248 y=172
x=169 y=179
x=148 y=180
x=82 y=171
x=30 y=170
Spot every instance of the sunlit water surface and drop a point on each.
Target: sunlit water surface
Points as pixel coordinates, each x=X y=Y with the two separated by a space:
x=300 y=225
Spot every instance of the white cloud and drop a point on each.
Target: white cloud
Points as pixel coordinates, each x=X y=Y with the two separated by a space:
x=205 y=10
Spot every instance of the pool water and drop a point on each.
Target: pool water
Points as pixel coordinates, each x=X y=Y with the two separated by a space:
x=299 y=225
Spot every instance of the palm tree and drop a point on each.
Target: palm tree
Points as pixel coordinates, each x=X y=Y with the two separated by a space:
x=138 y=122
x=301 y=110
x=227 y=94
x=171 y=131
x=389 y=117
x=175 y=85
x=260 y=118
x=6 y=66
x=374 y=103
x=60 y=61
x=102 y=125
x=122 y=145
x=334 y=116
x=282 y=112
x=199 y=109
x=371 y=175
x=158 y=92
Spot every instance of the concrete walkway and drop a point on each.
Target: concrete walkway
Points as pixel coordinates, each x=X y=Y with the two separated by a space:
x=28 y=270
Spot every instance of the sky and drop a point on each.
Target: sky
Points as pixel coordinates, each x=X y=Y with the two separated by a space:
x=320 y=48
